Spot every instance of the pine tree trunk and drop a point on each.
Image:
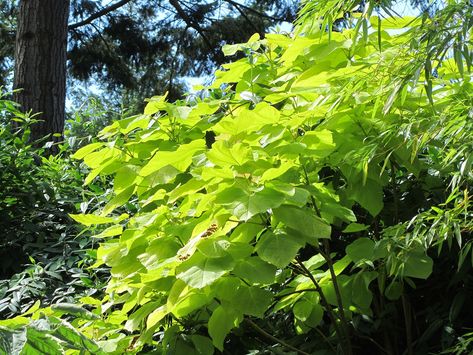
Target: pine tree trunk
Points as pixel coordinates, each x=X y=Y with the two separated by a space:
x=40 y=63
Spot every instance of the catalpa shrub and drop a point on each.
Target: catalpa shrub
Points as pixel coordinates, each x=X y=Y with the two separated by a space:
x=299 y=202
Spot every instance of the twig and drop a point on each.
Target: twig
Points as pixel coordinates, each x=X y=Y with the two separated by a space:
x=103 y=39
x=325 y=339
x=296 y=292
x=326 y=255
x=173 y=63
x=314 y=204
x=323 y=299
x=395 y=193
x=193 y=24
x=98 y=14
x=407 y=322
x=273 y=338
x=338 y=295
x=374 y=342
x=256 y=12
x=242 y=13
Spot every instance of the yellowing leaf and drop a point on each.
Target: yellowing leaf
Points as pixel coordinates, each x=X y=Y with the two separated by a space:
x=222 y=154
x=180 y=158
x=110 y=232
x=136 y=318
x=244 y=204
x=274 y=173
x=184 y=299
x=91 y=219
x=156 y=104
x=155 y=316
x=84 y=151
x=234 y=72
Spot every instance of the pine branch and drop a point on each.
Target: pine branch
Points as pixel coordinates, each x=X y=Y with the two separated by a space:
x=99 y=14
x=242 y=13
x=190 y=22
x=256 y=12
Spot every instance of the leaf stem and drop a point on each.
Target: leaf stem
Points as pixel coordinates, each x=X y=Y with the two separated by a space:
x=296 y=292
x=395 y=192
x=338 y=294
x=273 y=338
x=325 y=339
x=317 y=211
x=323 y=299
x=407 y=322
x=326 y=255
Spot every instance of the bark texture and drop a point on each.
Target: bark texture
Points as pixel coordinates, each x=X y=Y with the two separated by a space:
x=40 y=63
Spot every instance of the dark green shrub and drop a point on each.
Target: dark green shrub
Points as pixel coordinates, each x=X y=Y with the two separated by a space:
x=42 y=253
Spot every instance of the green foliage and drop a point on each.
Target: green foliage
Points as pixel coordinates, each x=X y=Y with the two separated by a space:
x=43 y=257
x=45 y=333
x=312 y=198
x=338 y=166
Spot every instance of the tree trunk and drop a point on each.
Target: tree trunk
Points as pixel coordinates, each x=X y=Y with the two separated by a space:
x=40 y=63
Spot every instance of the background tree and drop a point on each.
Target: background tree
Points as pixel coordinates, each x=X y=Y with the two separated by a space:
x=7 y=40
x=141 y=56
x=135 y=49
x=40 y=63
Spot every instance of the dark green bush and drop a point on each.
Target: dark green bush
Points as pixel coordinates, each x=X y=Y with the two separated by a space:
x=43 y=255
